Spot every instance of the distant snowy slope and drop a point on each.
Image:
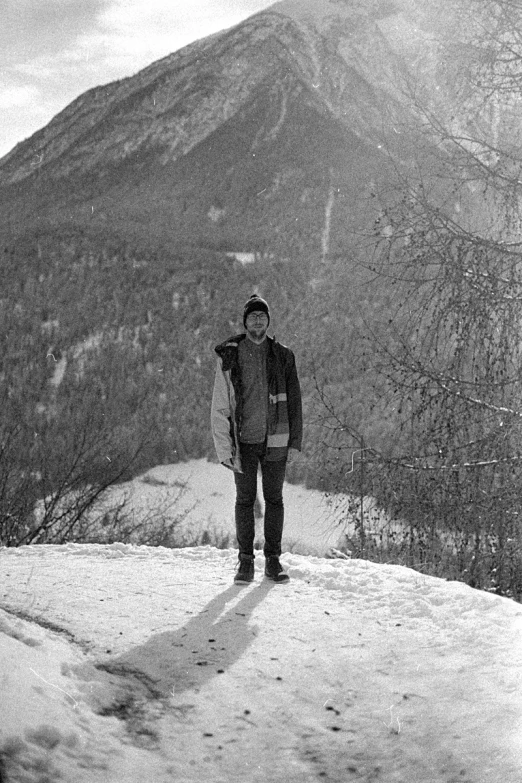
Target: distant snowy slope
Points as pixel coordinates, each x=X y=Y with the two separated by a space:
x=203 y=493
x=138 y=663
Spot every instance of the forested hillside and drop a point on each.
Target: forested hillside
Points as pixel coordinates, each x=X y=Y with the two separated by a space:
x=92 y=328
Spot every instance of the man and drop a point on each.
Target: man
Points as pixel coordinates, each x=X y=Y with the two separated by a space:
x=256 y=419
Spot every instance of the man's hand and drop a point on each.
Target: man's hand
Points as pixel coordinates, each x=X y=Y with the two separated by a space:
x=291 y=456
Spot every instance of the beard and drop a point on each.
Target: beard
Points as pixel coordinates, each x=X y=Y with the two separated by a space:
x=257 y=333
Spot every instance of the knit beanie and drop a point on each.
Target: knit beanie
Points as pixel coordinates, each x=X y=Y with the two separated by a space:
x=255 y=303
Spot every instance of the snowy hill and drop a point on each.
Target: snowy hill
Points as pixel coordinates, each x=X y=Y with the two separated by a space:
x=124 y=664
x=201 y=495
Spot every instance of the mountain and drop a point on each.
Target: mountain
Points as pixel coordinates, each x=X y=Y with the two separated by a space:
x=126 y=226
x=267 y=137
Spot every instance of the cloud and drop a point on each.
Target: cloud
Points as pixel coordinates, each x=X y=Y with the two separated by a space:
x=135 y=33
x=185 y=20
x=31 y=28
x=11 y=97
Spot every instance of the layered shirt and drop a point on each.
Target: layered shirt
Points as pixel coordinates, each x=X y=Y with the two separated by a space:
x=252 y=361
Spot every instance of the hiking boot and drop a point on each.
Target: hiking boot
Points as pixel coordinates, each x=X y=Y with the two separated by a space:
x=274 y=570
x=245 y=571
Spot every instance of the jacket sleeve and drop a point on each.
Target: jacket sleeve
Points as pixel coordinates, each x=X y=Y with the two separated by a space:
x=295 y=407
x=220 y=417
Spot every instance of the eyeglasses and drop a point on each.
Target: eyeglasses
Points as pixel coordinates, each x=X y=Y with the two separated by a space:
x=257 y=317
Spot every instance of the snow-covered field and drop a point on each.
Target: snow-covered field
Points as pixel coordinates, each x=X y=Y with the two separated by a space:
x=124 y=664
x=202 y=494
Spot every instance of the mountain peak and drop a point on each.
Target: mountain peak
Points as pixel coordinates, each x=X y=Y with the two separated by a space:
x=267 y=132
x=410 y=27
x=322 y=10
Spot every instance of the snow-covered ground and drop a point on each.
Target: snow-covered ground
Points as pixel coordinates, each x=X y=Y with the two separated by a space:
x=202 y=495
x=124 y=664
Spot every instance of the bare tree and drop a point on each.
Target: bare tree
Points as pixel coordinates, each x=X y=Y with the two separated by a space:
x=447 y=242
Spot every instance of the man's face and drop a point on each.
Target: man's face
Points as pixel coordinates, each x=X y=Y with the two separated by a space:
x=257 y=325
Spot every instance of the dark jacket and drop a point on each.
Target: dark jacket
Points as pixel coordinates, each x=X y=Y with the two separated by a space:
x=285 y=419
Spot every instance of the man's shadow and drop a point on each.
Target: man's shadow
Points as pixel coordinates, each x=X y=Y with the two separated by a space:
x=205 y=647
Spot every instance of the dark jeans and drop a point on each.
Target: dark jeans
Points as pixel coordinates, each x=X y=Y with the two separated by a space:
x=272 y=477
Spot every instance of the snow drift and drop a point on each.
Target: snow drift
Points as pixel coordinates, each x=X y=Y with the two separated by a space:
x=125 y=663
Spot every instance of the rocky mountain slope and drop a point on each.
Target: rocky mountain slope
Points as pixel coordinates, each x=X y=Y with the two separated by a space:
x=269 y=136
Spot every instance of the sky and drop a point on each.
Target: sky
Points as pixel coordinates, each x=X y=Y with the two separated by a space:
x=51 y=51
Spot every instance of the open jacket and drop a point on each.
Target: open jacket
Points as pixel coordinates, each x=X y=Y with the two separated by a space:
x=285 y=419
